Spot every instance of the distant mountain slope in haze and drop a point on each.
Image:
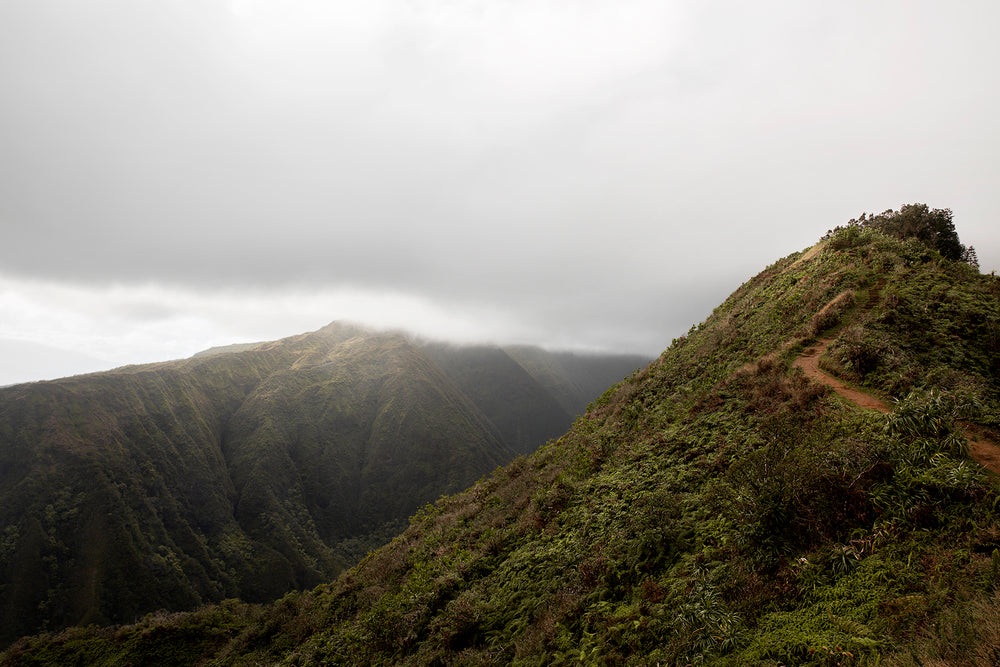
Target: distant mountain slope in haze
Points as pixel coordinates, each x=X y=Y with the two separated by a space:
x=524 y=413
x=575 y=378
x=527 y=392
x=245 y=471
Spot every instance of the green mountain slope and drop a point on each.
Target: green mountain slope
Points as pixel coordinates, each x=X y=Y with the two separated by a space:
x=246 y=472
x=574 y=379
x=524 y=411
x=718 y=507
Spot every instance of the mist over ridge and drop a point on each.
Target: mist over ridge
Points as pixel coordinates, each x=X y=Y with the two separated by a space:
x=187 y=175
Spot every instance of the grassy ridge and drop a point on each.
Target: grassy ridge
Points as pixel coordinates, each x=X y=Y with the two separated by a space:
x=715 y=507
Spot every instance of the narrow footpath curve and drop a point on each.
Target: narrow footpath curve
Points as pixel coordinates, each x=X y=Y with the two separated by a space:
x=982 y=448
x=808 y=361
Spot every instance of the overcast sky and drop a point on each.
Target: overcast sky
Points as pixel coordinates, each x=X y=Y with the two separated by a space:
x=177 y=174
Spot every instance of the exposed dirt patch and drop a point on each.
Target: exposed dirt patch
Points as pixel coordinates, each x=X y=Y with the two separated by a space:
x=985 y=452
x=808 y=254
x=983 y=446
x=808 y=361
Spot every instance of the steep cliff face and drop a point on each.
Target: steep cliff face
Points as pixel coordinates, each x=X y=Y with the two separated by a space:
x=246 y=472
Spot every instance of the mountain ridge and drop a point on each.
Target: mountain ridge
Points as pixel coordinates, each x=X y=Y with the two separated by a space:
x=249 y=472
x=716 y=507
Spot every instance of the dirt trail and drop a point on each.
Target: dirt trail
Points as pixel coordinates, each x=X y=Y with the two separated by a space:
x=808 y=361
x=983 y=448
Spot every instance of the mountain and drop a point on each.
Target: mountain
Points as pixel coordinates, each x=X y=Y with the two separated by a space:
x=742 y=500
x=530 y=394
x=245 y=471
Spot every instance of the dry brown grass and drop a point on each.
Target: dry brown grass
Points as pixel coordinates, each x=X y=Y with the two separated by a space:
x=968 y=636
x=830 y=314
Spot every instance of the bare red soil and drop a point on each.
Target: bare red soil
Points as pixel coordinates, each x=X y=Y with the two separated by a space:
x=808 y=361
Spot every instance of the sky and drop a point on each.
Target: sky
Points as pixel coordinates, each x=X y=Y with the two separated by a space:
x=592 y=175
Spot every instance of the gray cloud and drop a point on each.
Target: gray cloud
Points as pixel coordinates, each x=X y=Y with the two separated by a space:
x=594 y=173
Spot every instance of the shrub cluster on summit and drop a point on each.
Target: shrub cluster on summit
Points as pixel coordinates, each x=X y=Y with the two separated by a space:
x=932 y=226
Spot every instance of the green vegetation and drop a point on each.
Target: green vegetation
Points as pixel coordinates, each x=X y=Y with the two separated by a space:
x=715 y=508
x=247 y=472
x=933 y=228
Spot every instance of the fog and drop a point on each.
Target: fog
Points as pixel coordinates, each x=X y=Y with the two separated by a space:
x=591 y=175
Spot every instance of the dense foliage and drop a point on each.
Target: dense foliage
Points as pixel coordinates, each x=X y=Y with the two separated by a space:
x=932 y=227
x=717 y=507
x=248 y=472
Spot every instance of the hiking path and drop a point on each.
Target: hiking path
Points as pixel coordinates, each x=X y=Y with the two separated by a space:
x=983 y=448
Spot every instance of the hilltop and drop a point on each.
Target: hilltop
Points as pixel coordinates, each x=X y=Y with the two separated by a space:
x=720 y=506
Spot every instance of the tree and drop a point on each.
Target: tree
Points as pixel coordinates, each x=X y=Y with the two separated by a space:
x=932 y=226
x=970 y=258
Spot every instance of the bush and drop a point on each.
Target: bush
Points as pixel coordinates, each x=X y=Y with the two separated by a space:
x=861 y=351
